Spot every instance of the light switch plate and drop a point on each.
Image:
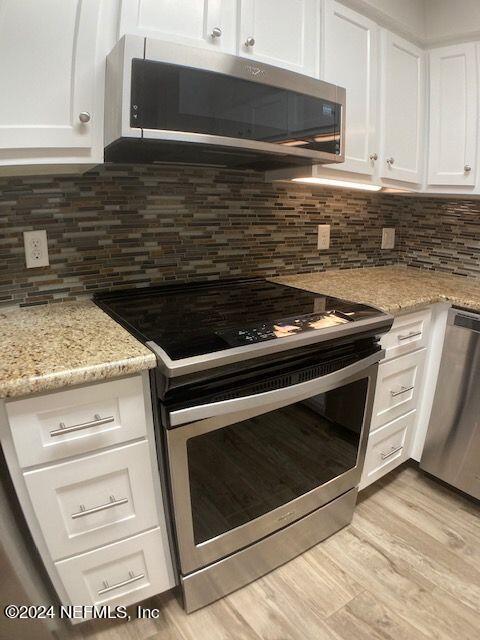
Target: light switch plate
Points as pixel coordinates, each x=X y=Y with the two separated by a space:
x=36 y=248
x=323 y=237
x=388 y=238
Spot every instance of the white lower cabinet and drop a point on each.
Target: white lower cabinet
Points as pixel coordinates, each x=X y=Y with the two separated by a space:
x=388 y=447
x=118 y=574
x=88 y=502
x=398 y=395
x=398 y=387
x=409 y=332
x=93 y=502
x=69 y=423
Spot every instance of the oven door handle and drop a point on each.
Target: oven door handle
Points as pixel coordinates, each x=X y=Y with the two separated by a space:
x=295 y=393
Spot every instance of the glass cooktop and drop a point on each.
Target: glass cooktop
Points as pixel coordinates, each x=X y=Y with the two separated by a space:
x=194 y=319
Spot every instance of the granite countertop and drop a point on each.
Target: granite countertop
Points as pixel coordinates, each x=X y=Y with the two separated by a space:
x=54 y=346
x=392 y=289
x=60 y=345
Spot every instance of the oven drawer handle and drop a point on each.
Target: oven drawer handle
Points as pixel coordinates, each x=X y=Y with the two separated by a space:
x=390 y=453
x=286 y=395
x=412 y=334
x=131 y=578
x=401 y=391
x=114 y=502
x=96 y=422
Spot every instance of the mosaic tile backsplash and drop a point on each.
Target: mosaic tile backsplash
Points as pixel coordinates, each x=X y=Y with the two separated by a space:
x=134 y=226
x=121 y=226
x=441 y=234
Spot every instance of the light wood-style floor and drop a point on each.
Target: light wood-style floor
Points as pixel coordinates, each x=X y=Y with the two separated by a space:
x=407 y=568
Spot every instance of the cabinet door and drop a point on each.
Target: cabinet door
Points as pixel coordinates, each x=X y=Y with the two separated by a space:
x=409 y=332
x=88 y=502
x=388 y=447
x=283 y=33
x=402 y=109
x=199 y=23
x=399 y=387
x=47 y=70
x=453 y=115
x=119 y=574
x=76 y=421
x=350 y=60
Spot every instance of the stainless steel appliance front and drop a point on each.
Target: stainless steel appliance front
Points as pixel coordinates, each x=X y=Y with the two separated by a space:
x=217 y=580
x=254 y=465
x=234 y=108
x=452 y=446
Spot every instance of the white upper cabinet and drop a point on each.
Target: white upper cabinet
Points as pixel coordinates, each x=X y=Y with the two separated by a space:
x=198 y=23
x=48 y=111
x=402 y=105
x=453 y=115
x=283 y=33
x=350 y=60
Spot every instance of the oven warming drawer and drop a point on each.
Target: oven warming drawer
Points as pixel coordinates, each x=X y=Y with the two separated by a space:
x=217 y=580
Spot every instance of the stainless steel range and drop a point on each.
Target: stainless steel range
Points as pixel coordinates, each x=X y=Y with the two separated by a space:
x=264 y=397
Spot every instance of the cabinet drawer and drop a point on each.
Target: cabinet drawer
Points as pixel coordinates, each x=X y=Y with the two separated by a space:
x=398 y=386
x=408 y=333
x=121 y=574
x=93 y=501
x=388 y=447
x=68 y=423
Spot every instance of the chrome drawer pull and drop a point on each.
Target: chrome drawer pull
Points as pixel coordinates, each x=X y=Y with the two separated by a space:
x=412 y=334
x=402 y=390
x=96 y=422
x=129 y=580
x=86 y=512
x=392 y=451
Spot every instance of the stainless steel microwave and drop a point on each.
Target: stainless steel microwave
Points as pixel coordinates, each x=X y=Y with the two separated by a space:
x=172 y=103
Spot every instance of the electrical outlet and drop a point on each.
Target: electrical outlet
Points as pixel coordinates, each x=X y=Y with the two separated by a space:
x=323 y=237
x=388 y=237
x=36 y=248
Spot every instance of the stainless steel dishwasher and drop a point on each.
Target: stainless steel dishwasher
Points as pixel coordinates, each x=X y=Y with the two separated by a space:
x=452 y=446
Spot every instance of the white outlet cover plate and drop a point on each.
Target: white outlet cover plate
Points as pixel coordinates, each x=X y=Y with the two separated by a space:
x=323 y=237
x=36 y=248
x=388 y=238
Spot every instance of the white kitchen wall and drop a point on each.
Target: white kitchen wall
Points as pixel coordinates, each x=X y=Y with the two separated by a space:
x=407 y=15
x=451 y=19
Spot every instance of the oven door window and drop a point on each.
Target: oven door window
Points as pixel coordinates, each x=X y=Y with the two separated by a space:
x=243 y=471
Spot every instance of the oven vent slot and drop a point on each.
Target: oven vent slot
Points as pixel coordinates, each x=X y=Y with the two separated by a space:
x=322 y=369
x=261 y=387
x=315 y=371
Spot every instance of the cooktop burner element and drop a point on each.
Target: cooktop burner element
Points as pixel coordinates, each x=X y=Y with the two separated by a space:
x=202 y=324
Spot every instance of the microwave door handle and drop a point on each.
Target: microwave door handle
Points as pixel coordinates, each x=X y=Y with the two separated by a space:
x=292 y=394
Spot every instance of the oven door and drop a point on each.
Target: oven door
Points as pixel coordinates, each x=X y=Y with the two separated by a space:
x=243 y=468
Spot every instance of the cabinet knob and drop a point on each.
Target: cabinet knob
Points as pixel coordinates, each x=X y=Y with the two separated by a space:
x=84 y=117
x=216 y=32
x=467 y=168
x=249 y=42
x=374 y=157
x=390 y=161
